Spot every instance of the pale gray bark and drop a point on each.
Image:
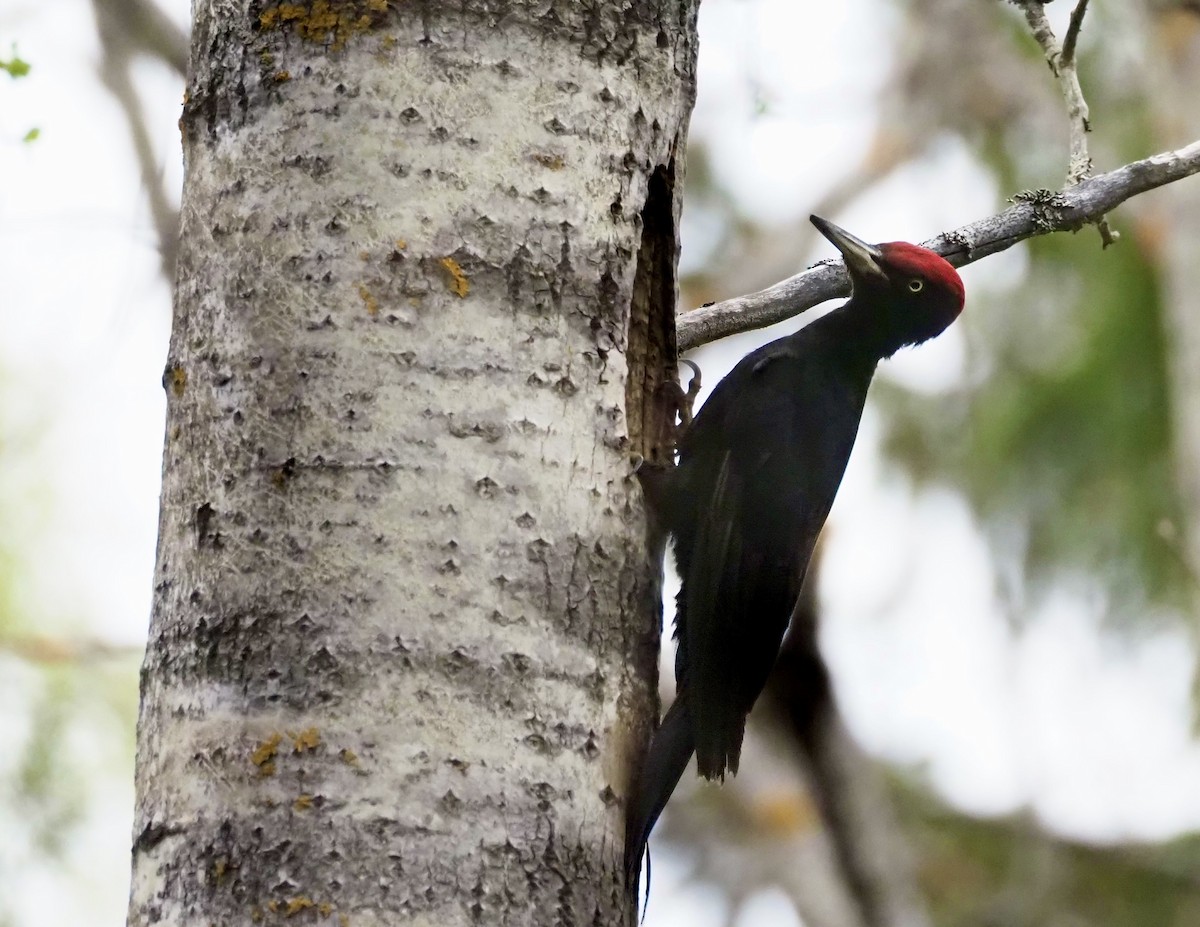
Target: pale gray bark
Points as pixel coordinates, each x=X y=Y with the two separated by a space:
x=404 y=618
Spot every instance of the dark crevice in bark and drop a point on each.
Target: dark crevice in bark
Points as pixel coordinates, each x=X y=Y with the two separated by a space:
x=651 y=360
x=651 y=351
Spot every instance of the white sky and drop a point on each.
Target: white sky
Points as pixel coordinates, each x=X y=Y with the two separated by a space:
x=1089 y=730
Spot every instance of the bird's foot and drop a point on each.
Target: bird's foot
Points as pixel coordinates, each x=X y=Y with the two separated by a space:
x=675 y=413
x=688 y=398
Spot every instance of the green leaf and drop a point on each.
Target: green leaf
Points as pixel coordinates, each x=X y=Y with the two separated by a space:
x=32 y=135
x=16 y=66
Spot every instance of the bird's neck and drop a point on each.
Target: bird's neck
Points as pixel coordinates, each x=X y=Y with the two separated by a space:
x=868 y=329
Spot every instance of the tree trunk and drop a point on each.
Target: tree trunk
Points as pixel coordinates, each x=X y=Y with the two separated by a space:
x=1174 y=38
x=405 y=625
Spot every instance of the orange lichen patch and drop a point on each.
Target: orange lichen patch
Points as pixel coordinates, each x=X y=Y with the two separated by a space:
x=308 y=739
x=296 y=905
x=280 y=76
x=785 y=813
x=364 y=255
x=343 y=920
x=265 y=753
x=548 y=160
x=220 y=867
x=272 y=905
x=369 y=301
x=303 y=803
x=349 y=757
x=401 y=243
x=327 y=22
x=325 y=909
x=256 y=914
x=458 y=283
x=177 y=379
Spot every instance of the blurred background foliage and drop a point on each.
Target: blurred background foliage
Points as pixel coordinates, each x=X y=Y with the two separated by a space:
x=1068 y=450
x=1062 y=430
x=1064 y=448
x=1067 y=414
x=1068 y=430
x=1010 y=871
x=69 y=703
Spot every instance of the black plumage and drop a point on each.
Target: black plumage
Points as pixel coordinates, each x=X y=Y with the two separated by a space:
x=758 y=469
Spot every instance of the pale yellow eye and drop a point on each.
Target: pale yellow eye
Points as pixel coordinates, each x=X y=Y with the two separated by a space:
x=916 y=285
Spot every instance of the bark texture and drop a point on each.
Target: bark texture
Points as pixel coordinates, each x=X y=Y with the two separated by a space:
x=404 y=615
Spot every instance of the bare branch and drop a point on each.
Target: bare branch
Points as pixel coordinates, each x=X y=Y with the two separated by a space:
x=1073 y=27
x=1062 y=64
x=1063 y=68
x=141 y=27
x=37 y=648
x=1031 y=214
x=129 y=28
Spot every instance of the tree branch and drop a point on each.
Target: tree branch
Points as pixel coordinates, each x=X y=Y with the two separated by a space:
x=1062 y=65
x=40 y=648
x=141 y=27
x=127 y=29
x=1073 y=27
x=1032 y=213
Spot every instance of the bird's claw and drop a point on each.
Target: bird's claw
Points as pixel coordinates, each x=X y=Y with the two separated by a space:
x=688 y=397
x=672 y=417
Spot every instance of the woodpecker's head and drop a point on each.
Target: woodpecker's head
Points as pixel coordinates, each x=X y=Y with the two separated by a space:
x=914 y=290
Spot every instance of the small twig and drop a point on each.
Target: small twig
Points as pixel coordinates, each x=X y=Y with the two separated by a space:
x=1067 y=56
x=145 y=29
x=1028 y=216
x=128 y=29
x=1062 y=64
x=39 y=648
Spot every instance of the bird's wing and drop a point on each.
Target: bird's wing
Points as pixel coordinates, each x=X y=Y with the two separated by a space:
x=737 y=583
x=762 y=465
x=710 y=593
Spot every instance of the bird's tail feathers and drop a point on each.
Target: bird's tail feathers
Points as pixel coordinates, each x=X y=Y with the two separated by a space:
x=720 y=748
x=670 y=750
